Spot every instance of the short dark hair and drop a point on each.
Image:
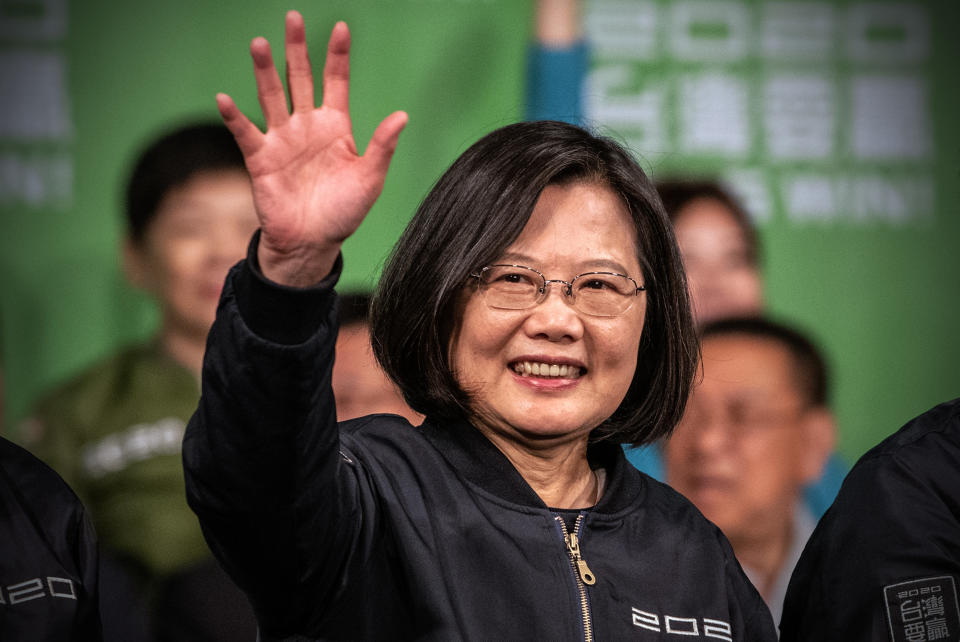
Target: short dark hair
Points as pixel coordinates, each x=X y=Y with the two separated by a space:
x=809 y=366
x=171 y=160
x=677 y=193
x=474 y=212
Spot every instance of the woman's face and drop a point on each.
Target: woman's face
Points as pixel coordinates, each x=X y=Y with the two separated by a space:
x=723 y=280
x=574 y=228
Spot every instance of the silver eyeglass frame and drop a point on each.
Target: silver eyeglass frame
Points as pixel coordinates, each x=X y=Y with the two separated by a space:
x=567 y=292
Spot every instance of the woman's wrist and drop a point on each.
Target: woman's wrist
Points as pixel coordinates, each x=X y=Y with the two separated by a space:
x=300 y=267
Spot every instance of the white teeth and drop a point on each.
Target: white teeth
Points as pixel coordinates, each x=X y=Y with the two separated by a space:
x=537 y=369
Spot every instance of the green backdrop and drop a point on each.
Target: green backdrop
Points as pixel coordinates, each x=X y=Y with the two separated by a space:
x=853 y=176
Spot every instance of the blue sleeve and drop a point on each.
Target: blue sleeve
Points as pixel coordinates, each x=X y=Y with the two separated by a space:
x=555 y=80
x=646 y=459
x=820 y=494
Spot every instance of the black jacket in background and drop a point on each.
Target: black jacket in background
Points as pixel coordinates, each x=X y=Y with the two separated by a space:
x=382 y=531
x=48 y=555
x=884 y=562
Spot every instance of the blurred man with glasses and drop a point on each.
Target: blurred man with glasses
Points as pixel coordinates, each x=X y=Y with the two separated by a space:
x=756 y=430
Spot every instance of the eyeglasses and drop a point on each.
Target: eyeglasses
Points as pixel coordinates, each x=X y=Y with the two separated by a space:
x=518 y=287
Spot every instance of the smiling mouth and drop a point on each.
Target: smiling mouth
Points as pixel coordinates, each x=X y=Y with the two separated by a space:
x=547 y=370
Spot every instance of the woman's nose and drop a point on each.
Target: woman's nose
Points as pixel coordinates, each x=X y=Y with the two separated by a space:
x=554 y=317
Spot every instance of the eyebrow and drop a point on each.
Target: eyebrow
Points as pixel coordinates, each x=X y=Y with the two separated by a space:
x=587 y=266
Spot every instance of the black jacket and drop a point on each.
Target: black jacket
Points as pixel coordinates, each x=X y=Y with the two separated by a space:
x=884 y=562
x=48 y=555
x=380 y=530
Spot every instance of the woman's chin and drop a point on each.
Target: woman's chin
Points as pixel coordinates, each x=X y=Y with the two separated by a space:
x=542 y=427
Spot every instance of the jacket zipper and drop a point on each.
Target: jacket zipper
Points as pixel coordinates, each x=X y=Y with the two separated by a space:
x=581 y=572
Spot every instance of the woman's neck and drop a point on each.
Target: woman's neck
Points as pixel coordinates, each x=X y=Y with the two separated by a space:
x=558 y=473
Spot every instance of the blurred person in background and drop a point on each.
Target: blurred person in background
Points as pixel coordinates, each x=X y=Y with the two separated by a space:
x=114 y=431
x=719 y=247
x=756 y=430
x=722 y=258
x=360 y=386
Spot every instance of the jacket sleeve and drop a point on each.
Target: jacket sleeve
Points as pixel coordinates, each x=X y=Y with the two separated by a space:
x=264 y=474
x=555 y=79
x=893 y=527
x=88 y=627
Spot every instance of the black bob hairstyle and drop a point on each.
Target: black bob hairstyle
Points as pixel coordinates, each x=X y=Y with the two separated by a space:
x=474 y=212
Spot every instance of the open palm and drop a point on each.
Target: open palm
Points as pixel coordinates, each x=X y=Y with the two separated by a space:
x=311 y=187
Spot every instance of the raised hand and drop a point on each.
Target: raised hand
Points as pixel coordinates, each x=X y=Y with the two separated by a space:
x=311 y=187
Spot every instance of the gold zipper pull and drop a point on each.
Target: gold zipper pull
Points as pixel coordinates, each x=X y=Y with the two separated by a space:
x=585 y=573
x=573 y=545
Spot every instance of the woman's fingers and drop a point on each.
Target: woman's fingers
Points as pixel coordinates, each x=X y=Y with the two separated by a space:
x=273 y=101
x=249 y=137
x=383 y=143
x=299 y=74
x=336 y=70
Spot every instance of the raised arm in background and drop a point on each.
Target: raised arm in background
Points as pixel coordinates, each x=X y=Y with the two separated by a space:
x=557 y=62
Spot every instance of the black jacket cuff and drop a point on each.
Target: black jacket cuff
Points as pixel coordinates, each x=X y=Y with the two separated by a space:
x=280 y=313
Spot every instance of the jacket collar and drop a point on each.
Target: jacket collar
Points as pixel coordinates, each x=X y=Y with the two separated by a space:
x=480 y=462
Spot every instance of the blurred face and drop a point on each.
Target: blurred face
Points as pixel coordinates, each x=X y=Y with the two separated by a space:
x=744 y=447
x=200 y=230
x=723 y=282
x=576 y=368
x=360 y=387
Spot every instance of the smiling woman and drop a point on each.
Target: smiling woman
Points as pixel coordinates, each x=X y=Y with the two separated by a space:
x=489 y=344
x=496 y=205
x=535 y=311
